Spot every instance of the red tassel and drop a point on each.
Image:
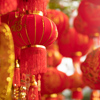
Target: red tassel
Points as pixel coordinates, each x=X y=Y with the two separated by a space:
x=77 y=94
x=16 y=79
x=23 y=87
x=39 y=86
x=33 y=60
x=33 y=90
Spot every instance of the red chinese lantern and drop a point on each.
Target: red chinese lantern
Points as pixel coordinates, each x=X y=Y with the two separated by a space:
x=74 y=45
x=32 y=6
x=89 y=13
x=54 y=57
x=84 y=28
x=32 y=33
x=7 y=6
x=76 y=85
x=90 y=68
x=54 y=81
x=60 y=19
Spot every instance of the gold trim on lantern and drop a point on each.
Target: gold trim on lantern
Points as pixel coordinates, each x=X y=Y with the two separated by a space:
x=43 y=30
x=36 y=12
x=35 y=30
x=53 y=95
x=38 y=46
x=17 y=64
x=51 y=32
x=78 y=53
x=27 y=32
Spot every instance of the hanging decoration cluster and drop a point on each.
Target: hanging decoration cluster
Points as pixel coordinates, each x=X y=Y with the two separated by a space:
x=86 y=24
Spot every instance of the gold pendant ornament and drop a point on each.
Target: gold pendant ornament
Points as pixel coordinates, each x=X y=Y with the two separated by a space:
x=7 y=58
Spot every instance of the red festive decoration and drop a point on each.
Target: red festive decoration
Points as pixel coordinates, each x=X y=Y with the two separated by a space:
x=32 y=33
x=76 y=81
x=74 y=45
x=90 y=69
x=89 y=13
x=54 y=57
x=7 y=6
x=84 y=28
x=60 y=19
x=54 y=81
x=32 y=5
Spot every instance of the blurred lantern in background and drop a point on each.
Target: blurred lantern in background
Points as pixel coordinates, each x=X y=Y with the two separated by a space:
x=7 y=6
x=76 y=85
x=74 y=45
x=54 y=81
x=54 y=57
x=95 y=95
x=90 y=68
x=84 y=28
x=89 y=13
x=60 y=19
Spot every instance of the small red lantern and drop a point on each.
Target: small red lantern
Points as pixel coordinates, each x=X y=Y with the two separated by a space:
x=54 y=57
x=84 y=28
x=89 y=13
x=7 y=6
x=54 y=81
x=74 y=45
x=90 y=69
x=76 y=85
x=60 y=19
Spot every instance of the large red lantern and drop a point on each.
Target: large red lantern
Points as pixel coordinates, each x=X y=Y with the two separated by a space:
x=73 y=44
x=60 y=19
x=54 y=57
x=90 y=69
x=7 y=6
x=84 y=28
x=89 y=13
x=54 y=81
x=32 y=33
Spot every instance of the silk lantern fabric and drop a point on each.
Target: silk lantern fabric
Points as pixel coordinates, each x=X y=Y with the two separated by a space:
x=90 y=68
x=54 y=57
x=7 y=6
x=74 y=45
x=54 y=81
x=89 y=13
x=60 y=19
